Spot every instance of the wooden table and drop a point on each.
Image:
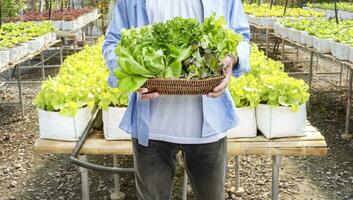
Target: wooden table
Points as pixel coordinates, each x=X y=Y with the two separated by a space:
x=311 y=145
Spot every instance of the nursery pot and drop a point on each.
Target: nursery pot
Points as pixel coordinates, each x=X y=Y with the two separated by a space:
x=251 y=19
x=54 y=126
x=266 y=21
x=4 y=57
x=340 y=51
x=281 y=121
x=111 y=120
x=247 y=124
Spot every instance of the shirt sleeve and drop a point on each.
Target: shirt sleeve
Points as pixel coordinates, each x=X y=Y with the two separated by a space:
x=112 y=38
x=239 y=23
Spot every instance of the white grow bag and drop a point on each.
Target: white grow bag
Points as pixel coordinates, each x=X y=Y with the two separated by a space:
x=69 y=25
x=247 y=124
x=322 y=45
x=54 y=126
x=111 y=120
x=294 y=35
x=280 y=121
x=340 y=51
x=18 y=52
x=351 y=55
x=309 y=40
x=4 y=57
x=57 y=25
x=303 y=37
x=35 y=45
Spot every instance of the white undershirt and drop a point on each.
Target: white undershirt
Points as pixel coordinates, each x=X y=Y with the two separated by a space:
x=177 y=119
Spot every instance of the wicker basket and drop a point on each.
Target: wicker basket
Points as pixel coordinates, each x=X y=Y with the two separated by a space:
x=182 y=86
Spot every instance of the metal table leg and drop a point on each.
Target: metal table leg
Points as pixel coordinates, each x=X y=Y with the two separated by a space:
x=238 y=190
x=20 y=89
x=91 y=32
x=276 y=163
x=283 y=45
x=84 y=179
x=347 y=135
x=311 y=70
x=42 y=65
x=117 y=194
x=341 y=74
x=185 y=186
x=267 y=42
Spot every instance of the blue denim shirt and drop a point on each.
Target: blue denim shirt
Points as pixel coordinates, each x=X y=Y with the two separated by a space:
x=219 y=114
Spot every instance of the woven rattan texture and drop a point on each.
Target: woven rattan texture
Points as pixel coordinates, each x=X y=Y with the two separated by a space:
x=182 y=86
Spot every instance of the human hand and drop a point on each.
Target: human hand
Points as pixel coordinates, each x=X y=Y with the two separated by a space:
x=144 y=95
x=228 y=64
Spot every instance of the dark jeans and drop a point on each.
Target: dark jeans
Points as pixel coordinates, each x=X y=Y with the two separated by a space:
x=155 y=169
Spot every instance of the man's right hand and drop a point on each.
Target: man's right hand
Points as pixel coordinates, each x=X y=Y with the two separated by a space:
x=144 y=95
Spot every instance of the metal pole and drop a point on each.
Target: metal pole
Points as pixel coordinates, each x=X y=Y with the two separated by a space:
x=347 y=135
x=185 y=186
x=20 y=89
x=84 y=179
x=336 y=11
x=42 y=65
x=283 y=45
x=341 y=75
x=92 y=24
x=238 y=190
x=317 y=62
x=267 y=41
x=276 y=163
x=117 y=194
x=285 y=8
x=311 y=70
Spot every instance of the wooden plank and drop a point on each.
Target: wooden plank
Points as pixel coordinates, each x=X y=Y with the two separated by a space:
x=312 y=144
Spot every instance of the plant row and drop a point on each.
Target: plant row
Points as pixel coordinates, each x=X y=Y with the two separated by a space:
x=325 y=36
x=345 y=6
x=264 y=16
x=20 y=39
x=81 y=82
x=264 y=10
x=67 y=20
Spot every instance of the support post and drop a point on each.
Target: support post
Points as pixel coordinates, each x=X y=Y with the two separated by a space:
x=283 y=45
x=42 y=65
x=276 y=163
x=117 y=194
x=238 y=190
x=267 y=41
x=341 y=74
x=347 y=135
x=311 y=70
x=92 y=25
x=20 y=88
x=185 y=186
x=84 y=179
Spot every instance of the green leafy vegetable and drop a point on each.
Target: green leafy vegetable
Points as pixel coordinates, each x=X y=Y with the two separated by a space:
x=177 y=48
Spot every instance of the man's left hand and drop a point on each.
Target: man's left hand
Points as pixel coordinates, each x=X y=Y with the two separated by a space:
x=228 y=64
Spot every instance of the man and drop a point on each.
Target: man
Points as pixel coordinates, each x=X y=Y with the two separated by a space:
x=162 y=125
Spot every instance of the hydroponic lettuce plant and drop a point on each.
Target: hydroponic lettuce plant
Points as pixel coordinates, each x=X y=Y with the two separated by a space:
x=177 y=48
x=264 y=10
x=267 y=83
x=282 y=90
x=80 y=82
